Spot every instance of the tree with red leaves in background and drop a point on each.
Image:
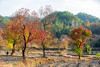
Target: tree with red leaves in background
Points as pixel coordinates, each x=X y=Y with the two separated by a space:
x=46 y=24
x=78 y=36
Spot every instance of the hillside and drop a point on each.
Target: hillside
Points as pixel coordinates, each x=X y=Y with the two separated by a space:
x=67 y=19
x=90 y=18
x=3 y=21
x=8 y=17
x=64 y=22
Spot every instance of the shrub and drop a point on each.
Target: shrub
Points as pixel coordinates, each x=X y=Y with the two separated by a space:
x=98 y=55
x=78 y=51
x=87 y=49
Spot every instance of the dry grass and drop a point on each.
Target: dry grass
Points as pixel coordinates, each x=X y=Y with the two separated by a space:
x=37 y=59
x=34 y=62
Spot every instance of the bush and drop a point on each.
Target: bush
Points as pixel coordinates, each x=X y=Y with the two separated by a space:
x=78 y=51
x=98 y=55
x=87 y=49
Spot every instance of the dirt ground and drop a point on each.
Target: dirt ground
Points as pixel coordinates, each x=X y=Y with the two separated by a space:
x=53 y=59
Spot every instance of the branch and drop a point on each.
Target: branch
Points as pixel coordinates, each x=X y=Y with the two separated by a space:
x=29 y=35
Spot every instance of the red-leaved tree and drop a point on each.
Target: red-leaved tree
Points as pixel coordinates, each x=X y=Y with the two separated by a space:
x=78 y=36
x=46 y=24
x=27 y=25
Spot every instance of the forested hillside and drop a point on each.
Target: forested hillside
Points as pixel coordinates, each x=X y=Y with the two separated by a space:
x=3 y=21
x=64 y=22
x=67 y=19
x=90 y=18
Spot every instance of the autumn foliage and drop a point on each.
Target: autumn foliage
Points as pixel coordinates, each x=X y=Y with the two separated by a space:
x=45 y=34
x=25 y=27
x=11 y=35
x=79 y=35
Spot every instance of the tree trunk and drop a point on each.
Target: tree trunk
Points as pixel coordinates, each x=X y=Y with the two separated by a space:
x=43 y=52
x=79 y=56
x=79 y=53
x=13 y=50
x=43 y=49
x=23 y=51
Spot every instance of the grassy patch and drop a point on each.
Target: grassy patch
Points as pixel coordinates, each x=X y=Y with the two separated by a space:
x=97 y=55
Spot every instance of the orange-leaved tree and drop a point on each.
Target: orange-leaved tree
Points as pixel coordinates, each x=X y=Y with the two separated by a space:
x=78 y=36
x=11 y=35
x=27 y=25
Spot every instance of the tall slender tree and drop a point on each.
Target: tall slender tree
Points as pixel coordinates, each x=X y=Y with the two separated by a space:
x=45 y=34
